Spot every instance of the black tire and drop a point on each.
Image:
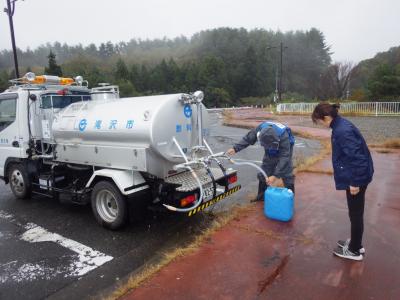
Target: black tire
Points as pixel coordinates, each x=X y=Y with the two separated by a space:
x=19 y=180
x=109 y=205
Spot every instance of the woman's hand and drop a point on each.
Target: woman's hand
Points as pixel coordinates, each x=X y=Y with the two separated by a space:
x=231 y=152
x=354 y=190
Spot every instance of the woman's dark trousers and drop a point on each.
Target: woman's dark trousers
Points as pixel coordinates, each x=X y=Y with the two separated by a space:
x=355 y=204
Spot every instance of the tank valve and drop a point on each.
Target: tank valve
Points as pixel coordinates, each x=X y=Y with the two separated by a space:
x=199 y=95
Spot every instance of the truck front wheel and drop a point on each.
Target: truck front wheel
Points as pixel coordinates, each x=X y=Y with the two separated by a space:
x=109 y=205
x=19 y=181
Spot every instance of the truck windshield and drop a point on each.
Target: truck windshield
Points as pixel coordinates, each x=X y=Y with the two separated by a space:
x=8 y=108
x=61 y=101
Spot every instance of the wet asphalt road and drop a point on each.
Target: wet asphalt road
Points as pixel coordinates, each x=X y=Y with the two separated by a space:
x=52 y=267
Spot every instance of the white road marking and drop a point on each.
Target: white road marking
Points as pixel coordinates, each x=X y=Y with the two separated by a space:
x=84 y=259
x=5 y=215
x=88 y=258
x=27 y=272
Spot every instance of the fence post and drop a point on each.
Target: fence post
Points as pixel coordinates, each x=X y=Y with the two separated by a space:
x=376 y=109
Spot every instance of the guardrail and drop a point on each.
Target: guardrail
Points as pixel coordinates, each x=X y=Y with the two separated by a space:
x=359 y=108
x=215 y=109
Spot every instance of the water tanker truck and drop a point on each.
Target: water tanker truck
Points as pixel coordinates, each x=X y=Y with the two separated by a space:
x=58 y=138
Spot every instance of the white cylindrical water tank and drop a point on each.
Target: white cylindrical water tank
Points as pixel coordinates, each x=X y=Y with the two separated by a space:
x=141 y=122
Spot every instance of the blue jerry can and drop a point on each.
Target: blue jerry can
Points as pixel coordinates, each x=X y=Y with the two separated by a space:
x=278 y=203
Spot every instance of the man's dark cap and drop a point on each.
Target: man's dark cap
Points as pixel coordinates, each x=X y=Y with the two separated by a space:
x=267 y=137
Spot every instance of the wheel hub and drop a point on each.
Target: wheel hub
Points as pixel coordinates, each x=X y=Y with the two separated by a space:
x=17 y=181
x=107 y=206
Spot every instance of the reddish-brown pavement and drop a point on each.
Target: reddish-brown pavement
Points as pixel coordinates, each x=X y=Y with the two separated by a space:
x=256 y=258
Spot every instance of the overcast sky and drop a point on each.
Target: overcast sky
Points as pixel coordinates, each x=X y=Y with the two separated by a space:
x=355 y=29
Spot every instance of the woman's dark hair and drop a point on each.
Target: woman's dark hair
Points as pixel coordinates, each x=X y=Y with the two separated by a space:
x=325 y=109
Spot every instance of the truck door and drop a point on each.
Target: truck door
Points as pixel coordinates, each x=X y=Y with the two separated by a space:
x=9 y=129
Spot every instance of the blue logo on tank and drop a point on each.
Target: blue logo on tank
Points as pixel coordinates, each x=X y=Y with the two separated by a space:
x=187 y=110
x=82 y=125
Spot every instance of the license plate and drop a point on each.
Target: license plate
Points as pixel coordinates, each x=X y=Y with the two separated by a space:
x=214 y=200
x=208 y=192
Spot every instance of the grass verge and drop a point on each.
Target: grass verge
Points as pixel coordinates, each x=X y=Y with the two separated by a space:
x=228 y=115
x=318 y=171
x=304 y=134
x=385 y=151
x=307 y=165
x=393 y=143
x=231 y=124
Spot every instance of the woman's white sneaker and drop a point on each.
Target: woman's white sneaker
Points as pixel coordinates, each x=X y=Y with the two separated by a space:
x=344 y=252
x=346 y=243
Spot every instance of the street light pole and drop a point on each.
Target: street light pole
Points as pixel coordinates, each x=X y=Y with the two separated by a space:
x=276 y=85
x=281 y=71
x=279 y=80
x=280 y=75
x=10 y=12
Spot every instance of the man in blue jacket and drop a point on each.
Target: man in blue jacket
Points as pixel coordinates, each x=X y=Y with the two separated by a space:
x=353 y=170
x=277 y=141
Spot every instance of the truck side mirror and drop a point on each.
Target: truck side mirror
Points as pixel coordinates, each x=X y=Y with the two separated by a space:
x=32 y=97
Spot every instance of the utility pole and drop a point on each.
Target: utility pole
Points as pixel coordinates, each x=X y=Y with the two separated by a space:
x=279 y=85
x=10 y=12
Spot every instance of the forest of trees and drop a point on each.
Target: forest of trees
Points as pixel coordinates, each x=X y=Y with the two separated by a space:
x=378 y=77
x=232 y=67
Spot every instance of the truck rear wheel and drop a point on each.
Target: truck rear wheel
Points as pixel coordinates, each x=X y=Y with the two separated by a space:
x=109 y=205
x=19 y=181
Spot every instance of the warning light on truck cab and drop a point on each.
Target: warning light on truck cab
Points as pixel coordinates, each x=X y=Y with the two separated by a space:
x=66 y=81
x=48 y=79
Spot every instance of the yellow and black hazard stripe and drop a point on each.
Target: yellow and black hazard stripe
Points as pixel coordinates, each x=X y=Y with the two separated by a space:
x=214 y=200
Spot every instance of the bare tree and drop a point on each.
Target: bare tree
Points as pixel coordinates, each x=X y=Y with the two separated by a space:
x=335 y=81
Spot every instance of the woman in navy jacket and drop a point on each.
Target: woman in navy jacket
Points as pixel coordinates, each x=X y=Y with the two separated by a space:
x=353 y=170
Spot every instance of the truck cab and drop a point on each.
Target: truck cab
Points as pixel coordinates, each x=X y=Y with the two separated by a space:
x=27 y=110
x=9 y=130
